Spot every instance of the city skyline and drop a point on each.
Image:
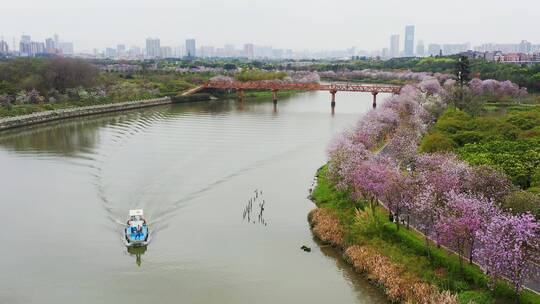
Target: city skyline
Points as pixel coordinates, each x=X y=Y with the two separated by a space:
x=365 y=26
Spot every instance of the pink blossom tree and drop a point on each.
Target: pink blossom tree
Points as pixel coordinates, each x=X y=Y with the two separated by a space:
x=398 y=195
x=431 y=86
x=464 y=218
x=508 y=245
x=489 y=183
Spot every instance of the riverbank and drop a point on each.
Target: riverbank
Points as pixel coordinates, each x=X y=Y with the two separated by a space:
x=46 y=113
x=63 y=113
x=396 y=259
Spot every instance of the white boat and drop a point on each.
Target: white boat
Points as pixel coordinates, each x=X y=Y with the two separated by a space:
x=136 y=231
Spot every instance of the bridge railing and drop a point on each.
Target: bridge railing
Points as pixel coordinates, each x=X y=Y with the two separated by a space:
x=278 y=85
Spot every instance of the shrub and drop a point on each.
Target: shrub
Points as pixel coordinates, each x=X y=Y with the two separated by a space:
x=522 y=201
x=437 y=142
x=326 y=226
x=467 y=137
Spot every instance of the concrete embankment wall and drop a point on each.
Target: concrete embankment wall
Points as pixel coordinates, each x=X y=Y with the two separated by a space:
x=39 y=117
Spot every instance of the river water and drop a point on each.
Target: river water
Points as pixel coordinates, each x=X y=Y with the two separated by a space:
x=66 y=188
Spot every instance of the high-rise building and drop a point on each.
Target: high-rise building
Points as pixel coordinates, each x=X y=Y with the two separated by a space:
x=4 y=48
x=121 y=50
x=50 y=46
x=409 y=41
x=384 y=53
x=153 y=48
x=66 y=48
x=525 y=46
x=24 y=45
x=134 y=52
x=249 y=51
x=191 y=48
x=30 y=48
x=434 y=49
x=166 y=52
x=207 y=51
x=26 y=39
x=451 y=49
x=420 y=49
x=394 y=46
x=110 y=53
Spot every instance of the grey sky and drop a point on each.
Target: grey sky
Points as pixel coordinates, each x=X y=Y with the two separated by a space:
x=296 y=24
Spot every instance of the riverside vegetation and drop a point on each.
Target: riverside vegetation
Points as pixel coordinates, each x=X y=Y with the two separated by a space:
x=454 y=213
x=29 y=85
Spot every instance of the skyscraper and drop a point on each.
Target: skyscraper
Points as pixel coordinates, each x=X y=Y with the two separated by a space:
x=66 y=48
x=394 y=46
x=420 y=49
x=153 y=47
x=249 y=51
x=4 y=48
x=191 y=48
x=120 y=50
x=50 y=46
x=409 y=41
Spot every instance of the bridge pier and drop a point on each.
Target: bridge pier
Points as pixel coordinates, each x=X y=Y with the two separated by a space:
x=240 y=94
x=374 y=98
x=274 y=96
x=333 y=102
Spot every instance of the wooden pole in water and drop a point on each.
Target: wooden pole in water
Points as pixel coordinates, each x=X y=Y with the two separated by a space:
x=374 y=98
x=333 y=102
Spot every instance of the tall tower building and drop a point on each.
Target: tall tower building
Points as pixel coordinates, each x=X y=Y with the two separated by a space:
x=191 y=49
x=394 y=46
x=249 y=51
x=420 y=49
x=153 y=48
x=409 y=41
x=4 y=48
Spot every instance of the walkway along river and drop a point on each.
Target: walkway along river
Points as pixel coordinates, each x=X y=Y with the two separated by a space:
x=67 y=187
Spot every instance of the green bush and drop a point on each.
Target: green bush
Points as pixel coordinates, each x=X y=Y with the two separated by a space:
x=436 y=142
x=522 y=201
x=467 y=137
x=477 y=297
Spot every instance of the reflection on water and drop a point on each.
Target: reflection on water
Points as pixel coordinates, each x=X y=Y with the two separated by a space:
x=189 y=166
x=138 y=252
x=359 y=282
x=249 y=213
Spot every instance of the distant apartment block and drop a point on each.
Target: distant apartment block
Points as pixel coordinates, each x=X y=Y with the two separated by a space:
x=394 y=46
x=153 y=48
x=191 y=49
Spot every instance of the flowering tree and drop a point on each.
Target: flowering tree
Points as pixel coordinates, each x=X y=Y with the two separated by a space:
x=403 y=145
x=430 y=86
x=466 y=216
x=444 y=172
x=425 y=210
x=398 y=195
x=439 y=174
x=372 y=179
x=508 y=245
x=489 y=183
x=345 y=156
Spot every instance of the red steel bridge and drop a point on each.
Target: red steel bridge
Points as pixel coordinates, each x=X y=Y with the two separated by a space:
x=275 y=86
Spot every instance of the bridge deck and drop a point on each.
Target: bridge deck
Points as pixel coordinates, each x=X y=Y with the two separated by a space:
x=275 y=86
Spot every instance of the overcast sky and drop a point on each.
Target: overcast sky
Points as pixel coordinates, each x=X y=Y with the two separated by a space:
x=295 y=24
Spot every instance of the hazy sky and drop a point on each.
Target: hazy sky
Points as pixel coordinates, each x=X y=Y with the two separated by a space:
x=296 y=24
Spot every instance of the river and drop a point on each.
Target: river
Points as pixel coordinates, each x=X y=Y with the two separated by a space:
x=67 y=187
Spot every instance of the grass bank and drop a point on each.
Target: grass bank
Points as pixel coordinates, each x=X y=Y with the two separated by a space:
x=396 y=260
